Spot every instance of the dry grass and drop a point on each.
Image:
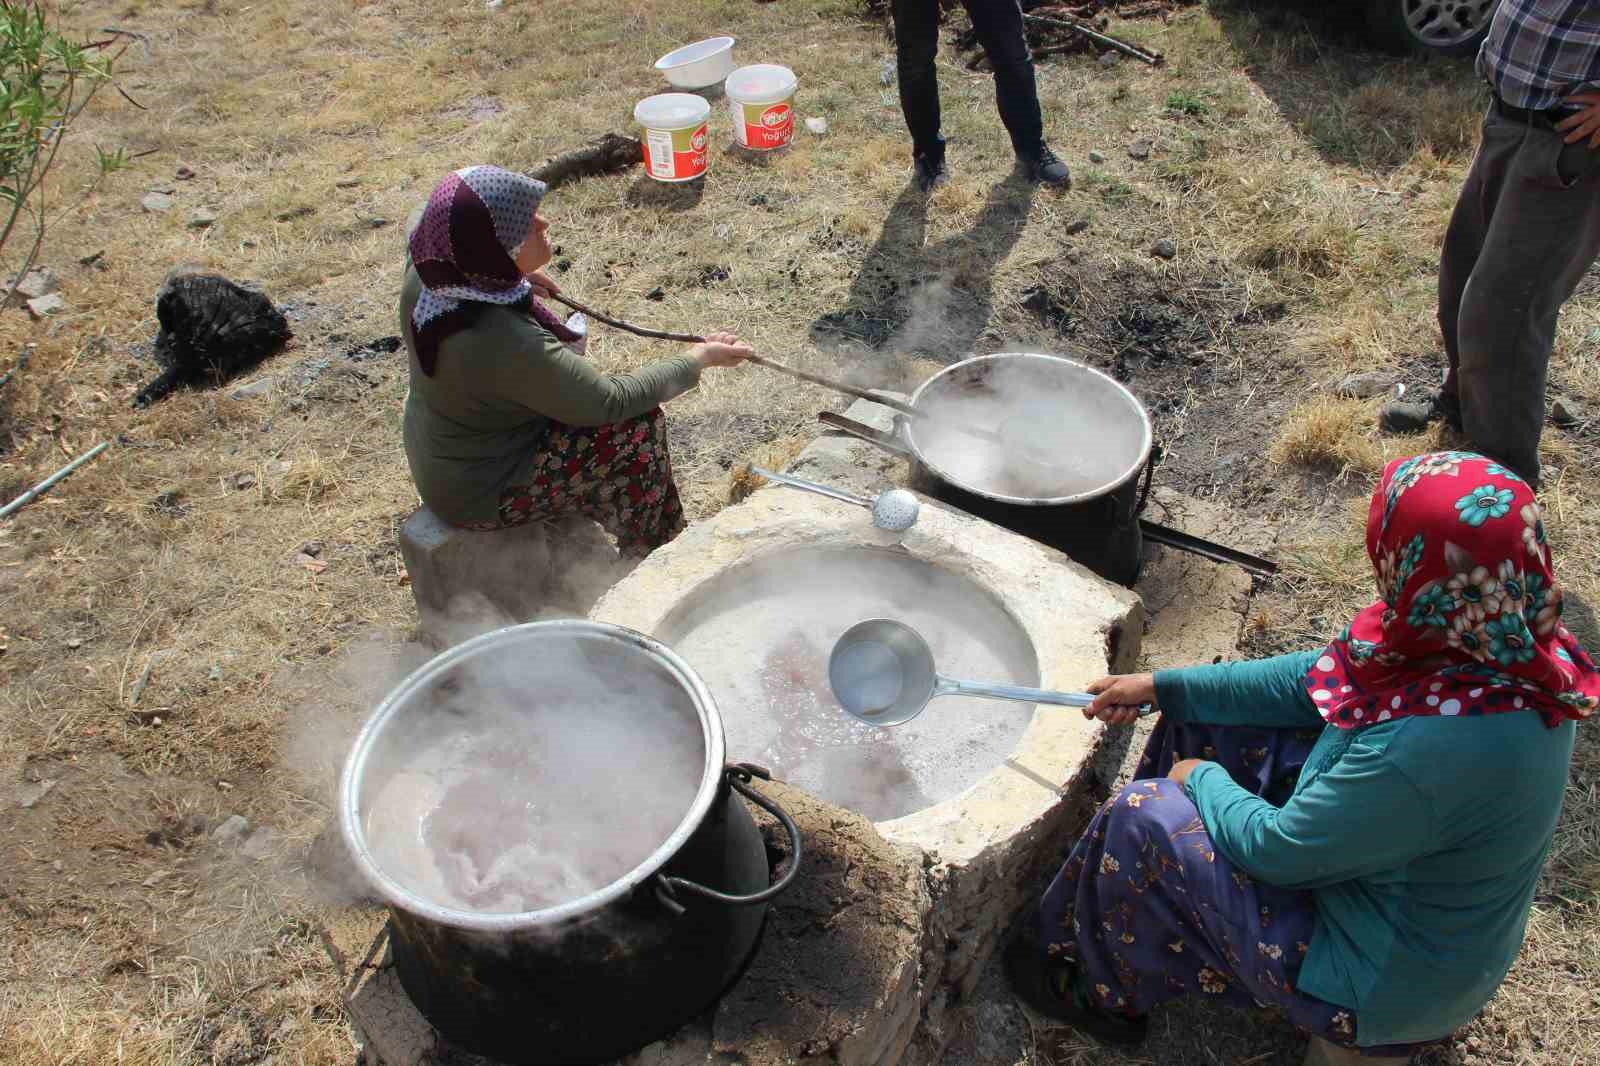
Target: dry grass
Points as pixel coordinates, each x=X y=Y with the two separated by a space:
x=1315 y=178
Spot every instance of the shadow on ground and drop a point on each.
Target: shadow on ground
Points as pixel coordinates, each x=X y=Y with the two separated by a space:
x=931 y=299
x=1356 y=105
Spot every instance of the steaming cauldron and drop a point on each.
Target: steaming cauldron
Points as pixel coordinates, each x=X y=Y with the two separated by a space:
x=1097 y=525
x=591 y=978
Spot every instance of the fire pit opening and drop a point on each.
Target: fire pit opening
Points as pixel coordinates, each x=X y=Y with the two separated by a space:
x=760 y=634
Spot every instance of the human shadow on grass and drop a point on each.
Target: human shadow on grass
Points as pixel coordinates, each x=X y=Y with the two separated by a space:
x=1356 y=105
x=929 y=299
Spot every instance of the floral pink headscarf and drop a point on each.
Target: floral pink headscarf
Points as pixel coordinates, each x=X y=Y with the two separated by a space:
x=1469 y=616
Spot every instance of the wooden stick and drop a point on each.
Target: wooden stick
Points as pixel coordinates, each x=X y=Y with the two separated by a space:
x=637 y=331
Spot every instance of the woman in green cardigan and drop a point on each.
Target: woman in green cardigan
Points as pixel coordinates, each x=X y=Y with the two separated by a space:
x=1353 y=835
x=505 y=421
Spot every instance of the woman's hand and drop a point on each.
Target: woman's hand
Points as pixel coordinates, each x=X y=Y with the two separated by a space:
x=720 y=349
x=542 y=285
x=1584 y=124
x=1182 y=769
x=1117 y=698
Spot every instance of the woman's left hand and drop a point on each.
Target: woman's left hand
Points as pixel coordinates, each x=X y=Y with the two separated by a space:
x=542 y=285
x=1180 y=771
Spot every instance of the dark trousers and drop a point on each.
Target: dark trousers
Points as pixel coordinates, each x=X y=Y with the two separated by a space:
x=1524 y=232
x=999 y=27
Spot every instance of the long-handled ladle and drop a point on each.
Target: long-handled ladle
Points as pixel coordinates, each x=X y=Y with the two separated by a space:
x=893 y=509
x=882 y=673
x=772 y=364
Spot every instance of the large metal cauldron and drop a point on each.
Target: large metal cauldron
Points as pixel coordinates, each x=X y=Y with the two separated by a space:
x=599 y=976
x=1099 y=525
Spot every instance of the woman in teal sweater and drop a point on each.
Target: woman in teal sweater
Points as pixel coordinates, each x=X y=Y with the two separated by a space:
x=1353 y=835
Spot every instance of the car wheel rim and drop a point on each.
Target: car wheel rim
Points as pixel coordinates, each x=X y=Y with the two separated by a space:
x=1444 y=23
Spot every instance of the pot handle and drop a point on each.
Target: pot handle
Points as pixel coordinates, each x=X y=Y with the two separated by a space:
x=889 y=442
x=1156 y=455
x=738 y=777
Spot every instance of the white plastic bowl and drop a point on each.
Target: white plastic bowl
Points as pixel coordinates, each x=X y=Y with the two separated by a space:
x=698 y=65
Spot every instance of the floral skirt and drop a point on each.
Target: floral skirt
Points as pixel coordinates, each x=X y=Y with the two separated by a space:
x=619 y=474
x=1149 y=911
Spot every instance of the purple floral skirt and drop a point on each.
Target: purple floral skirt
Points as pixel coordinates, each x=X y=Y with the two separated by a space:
x=619 y=474
x=1149 y=911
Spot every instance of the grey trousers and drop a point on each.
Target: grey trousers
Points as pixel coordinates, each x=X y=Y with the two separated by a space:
x=1524 y=232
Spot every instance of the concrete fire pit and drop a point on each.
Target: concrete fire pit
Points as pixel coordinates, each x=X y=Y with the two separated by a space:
x=897 y=917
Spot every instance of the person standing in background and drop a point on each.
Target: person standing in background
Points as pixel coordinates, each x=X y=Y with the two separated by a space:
x=1526 y=227
x=999 y=26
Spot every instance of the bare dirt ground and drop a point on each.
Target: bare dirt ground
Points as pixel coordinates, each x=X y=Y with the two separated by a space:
x=174 y=652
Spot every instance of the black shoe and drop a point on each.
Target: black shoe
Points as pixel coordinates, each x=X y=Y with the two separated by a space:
x=930 y=172
x=1047 y=985
x=1448 y=407
x=1046 y=168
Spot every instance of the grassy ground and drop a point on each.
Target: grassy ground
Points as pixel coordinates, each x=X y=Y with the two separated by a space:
x=1304 y=181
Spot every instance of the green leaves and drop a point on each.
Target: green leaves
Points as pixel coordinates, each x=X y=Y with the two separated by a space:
x=46 y=80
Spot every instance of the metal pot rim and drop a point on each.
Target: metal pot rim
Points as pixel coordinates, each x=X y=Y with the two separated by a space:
x=398 y=895
x=908 y=433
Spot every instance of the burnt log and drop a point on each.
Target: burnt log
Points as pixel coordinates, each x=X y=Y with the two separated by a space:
x=606 y=155
x=210 y=330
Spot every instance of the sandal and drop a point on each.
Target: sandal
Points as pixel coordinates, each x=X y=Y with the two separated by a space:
x=1050 y=987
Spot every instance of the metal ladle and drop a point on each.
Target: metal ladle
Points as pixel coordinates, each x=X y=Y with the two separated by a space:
x=895 y=510
x=882 y=673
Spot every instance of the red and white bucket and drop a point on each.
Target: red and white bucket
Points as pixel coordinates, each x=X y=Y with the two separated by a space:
x=761 y=98
x=674 y=135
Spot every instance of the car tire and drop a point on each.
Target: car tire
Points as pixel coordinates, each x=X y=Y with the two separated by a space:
x=1431 y=27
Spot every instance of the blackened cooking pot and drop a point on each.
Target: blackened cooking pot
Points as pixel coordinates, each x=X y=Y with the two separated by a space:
x=1097 y=420
x=595 y=977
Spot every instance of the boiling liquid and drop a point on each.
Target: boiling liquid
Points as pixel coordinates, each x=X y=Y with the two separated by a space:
x=762 y=644
x=516 y=808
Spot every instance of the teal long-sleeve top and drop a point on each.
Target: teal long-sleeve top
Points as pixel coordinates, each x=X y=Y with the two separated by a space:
x=1421 y=840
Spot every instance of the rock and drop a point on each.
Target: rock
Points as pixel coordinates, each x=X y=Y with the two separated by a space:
x=45 y=306
x=31 y=792
x=261 y=844
x=377 y=222
x=657 y=294
x=183 y=173
x=347 y=183
x=202 y=218
x=887 y=72
x=74 y=643
x=295 y=212
x=215 y=674
x=722 y=231
x=168 y=502
x=1097 y=157
x=243 y=480
x=1566 y=413
x=1110 y=59
x=312 y=548
x=1400 y=417
x=1363 y=386
x=94 y=259
x=1139 y=150
x=34 y=284
x=232 y=830
x=1076 y=227
x=1164 y=249
x=254 y=389
x=158 y=201
x=817 y=124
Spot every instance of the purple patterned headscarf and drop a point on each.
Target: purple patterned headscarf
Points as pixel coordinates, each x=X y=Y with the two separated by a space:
x=463 y=248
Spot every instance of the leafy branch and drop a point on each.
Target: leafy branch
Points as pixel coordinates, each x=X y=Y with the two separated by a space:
x=46 y=81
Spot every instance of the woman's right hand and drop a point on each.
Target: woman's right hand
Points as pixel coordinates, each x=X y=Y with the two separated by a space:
x=1117 y=698
x=720 y=349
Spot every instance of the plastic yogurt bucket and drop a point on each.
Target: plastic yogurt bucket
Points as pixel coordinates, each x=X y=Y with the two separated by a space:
x=761 y=98
x=674 y=135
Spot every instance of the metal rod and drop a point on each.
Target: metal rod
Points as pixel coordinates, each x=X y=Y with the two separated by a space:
x=1221 y=553
x=1155 y=59
x=949 y=686
x=44 y=486
x=810 y=486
